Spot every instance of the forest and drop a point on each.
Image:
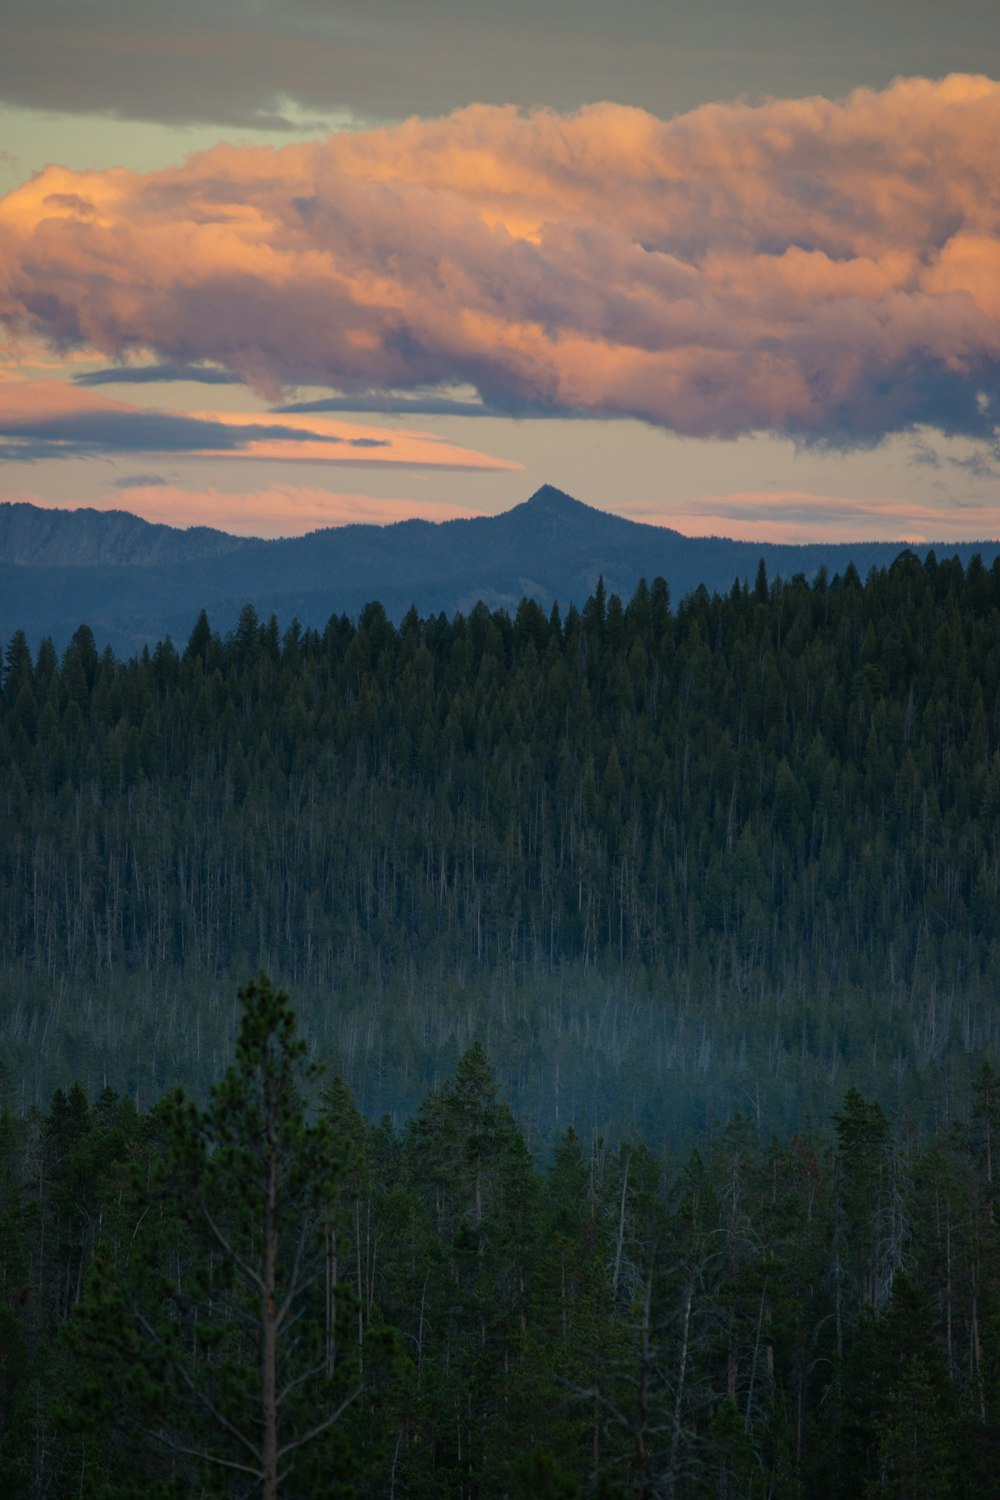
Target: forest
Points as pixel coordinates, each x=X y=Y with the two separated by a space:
x=270 y=1295
x=714 y=887
x=664 y=862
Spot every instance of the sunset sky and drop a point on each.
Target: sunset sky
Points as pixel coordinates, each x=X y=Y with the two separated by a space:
x=732 y=266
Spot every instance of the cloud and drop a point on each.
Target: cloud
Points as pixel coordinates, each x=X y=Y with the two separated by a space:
x=31 y=431
x=45 y=419
x=829 y=271
x=799 y=516
x=982 y=462
x=274 y=62
x=152 y=432
x=978 y=466
x=140 y=481
x=426 y=405
x=154 y=374
x=923 y=455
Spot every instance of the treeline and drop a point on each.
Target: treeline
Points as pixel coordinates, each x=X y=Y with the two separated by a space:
x=749 y=843
x=273 y=1296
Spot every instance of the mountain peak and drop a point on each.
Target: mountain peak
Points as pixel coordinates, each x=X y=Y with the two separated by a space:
x=555 y=509
x=550 y=499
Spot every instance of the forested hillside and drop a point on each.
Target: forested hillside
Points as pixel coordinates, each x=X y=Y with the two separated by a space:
x=271 y=1297
x=663 y=861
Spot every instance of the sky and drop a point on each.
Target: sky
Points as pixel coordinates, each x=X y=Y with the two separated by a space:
x=731 y=266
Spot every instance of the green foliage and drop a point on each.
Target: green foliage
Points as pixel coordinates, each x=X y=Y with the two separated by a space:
x=740 y=844
x=429 y=1315
x=217 y=1345
x=663 y=863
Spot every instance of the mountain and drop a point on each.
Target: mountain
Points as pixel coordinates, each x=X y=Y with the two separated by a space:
x=34 y=537
x=133 y=582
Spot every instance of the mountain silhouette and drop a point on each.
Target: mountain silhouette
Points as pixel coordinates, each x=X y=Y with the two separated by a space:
x=134 y=583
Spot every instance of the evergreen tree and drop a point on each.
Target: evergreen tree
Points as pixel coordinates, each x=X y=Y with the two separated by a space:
x=217 y=1310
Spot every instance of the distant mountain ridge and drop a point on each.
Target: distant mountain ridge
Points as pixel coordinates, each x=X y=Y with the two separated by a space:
x=32 y=536
x=134 y=582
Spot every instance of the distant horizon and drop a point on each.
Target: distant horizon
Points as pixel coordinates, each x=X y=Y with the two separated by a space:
x=432 y=520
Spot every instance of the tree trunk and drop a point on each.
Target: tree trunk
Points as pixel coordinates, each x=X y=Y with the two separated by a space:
x=269 y=1330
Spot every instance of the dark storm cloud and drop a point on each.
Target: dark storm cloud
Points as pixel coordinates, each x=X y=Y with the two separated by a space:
x=240 y=64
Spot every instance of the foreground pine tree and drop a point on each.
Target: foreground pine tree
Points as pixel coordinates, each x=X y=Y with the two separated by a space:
x=214 y=1322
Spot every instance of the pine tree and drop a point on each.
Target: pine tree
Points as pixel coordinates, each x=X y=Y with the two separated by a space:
x=217 y=1312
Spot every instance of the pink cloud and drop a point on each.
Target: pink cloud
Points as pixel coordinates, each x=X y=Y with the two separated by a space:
x=799 y=516
x=50 y=419
x=40 y=400
x=824 y=269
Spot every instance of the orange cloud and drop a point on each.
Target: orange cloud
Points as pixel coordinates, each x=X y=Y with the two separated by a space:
x=49 y=419
x=824 y=269
x=354 y=443
x=27 y=400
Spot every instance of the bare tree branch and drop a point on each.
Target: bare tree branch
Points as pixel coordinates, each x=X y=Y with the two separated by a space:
x=199 y=1453
x=314 y=1432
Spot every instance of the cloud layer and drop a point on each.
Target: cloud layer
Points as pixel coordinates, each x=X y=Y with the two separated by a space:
x=825 y=270
x=274 y=61
x=798 y=516
x=45 y=419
